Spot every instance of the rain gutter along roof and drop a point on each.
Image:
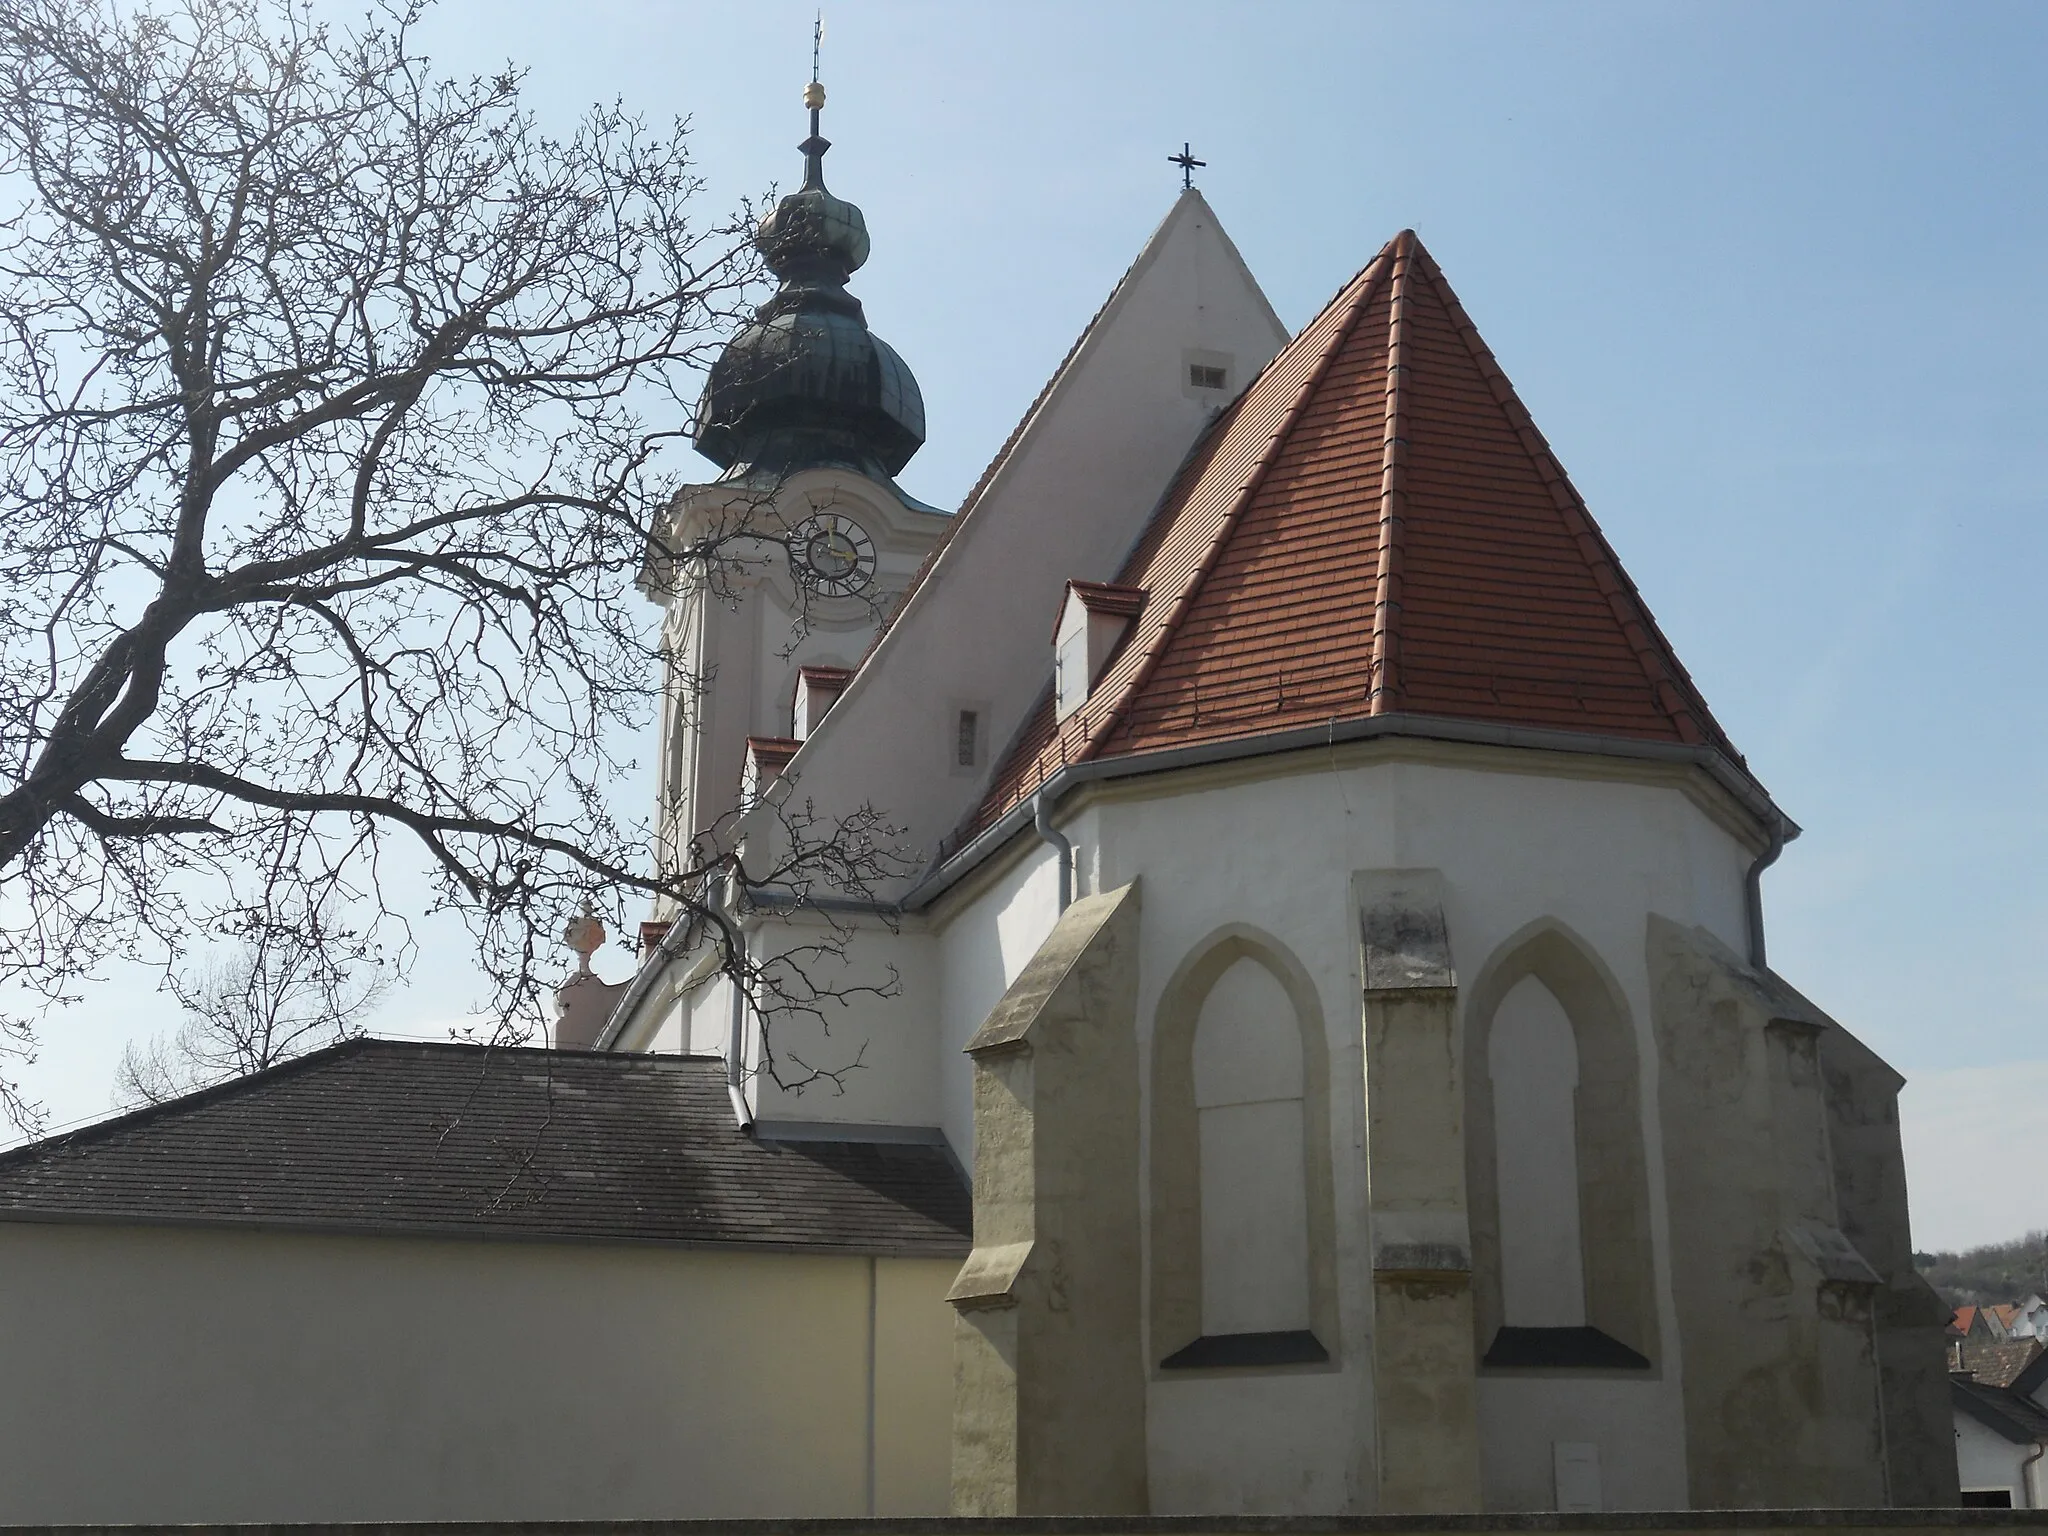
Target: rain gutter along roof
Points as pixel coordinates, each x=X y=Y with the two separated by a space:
x=1745 y=790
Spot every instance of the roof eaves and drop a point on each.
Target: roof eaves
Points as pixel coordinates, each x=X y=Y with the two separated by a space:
x=977 y=845
x=2034 y=1373
x=1999 y=1409
x=313 y=1227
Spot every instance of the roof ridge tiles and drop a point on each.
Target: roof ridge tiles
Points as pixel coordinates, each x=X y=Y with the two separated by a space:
x=1383 y=694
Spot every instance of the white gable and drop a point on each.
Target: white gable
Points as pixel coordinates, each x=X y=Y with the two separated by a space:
x=1066 y=500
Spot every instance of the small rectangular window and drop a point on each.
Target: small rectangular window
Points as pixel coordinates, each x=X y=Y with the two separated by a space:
x=1202 y=376
x=963 y=749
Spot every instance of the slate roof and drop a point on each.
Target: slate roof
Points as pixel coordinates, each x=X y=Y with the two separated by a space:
x=1374 y=527
x=398 y=1137
x=2006 y=1412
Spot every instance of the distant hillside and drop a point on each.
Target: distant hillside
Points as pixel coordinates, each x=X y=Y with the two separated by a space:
x=2001 y=1272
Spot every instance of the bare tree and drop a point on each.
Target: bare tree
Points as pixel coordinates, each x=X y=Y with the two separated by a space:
x=324 y=479
x=272 y=997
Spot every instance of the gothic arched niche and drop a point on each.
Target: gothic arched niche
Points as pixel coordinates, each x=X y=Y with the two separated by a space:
x=1556 y=1180
x=1243 y=1244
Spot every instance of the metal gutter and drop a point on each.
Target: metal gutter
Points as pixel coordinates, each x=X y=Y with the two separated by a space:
x=1753 y=893
x=776 y=898
x=1749 y=794
x=1041 y=818
x=726 y=905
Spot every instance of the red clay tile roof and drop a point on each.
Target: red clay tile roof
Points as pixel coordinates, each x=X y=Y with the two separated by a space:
x=1374 y=527
x=1964 y=1319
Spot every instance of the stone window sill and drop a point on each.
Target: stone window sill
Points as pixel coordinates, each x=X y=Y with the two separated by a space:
x=1224 y=1350
x=1560 y=1349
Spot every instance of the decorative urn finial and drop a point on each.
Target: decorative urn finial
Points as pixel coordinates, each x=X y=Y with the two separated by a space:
x=585 y=935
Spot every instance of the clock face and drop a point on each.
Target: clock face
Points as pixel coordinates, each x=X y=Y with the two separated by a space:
x=833 y=555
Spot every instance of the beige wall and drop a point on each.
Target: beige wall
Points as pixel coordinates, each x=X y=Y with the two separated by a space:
x=186 y=1375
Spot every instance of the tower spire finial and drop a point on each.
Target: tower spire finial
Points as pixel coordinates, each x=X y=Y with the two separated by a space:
x=814 y=97
x=1187 y=162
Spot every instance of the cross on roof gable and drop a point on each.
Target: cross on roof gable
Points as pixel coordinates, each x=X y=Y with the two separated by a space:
x=1374 y=527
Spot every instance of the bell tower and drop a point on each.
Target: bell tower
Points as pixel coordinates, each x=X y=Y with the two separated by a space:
x=776 y=576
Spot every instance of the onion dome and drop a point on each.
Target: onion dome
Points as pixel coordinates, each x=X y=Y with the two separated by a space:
x=807 y=384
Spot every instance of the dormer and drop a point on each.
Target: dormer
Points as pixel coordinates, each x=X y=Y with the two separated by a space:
x=1092 y=623
x=767 y=756
x=817 y=690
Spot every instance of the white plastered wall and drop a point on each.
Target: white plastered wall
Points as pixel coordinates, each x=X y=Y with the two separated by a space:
x=864 y=1052
x=1275 y=846
x=982 y=946
x=203 y=1376
x=1986 y=1460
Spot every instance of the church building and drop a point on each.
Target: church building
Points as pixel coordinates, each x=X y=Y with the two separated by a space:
x=1303 y=1042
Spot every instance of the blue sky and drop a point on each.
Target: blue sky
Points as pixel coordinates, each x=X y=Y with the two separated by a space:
x=1770 y=278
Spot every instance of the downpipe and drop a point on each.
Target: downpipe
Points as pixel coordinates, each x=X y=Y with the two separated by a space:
x=1041 y=818
x=1753 y=894
x=726 y=904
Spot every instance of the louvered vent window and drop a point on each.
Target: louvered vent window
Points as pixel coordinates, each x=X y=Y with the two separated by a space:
x=963 y=746
x=1203 y=376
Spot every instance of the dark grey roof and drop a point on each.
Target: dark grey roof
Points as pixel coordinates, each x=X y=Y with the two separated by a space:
x=808 y=384
x=2003 y=1410
x=393 y=1136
